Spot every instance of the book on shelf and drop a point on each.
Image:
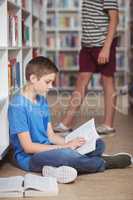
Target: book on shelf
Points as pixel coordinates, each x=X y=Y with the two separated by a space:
x=119 y=79
x=13 y=30
x=72 y=79
x=63 y=4
x=70 y=40
x=30 y=185
x=9 y=76
x=122 y=3
x=35 y=36
x=15 y=2
x=87 y=131
x=51 y=4
x=51 y=21
x=68 y=4
x=51 y=42
x=131 y=27
x=120 y=60
x=70 y=21
x=52 y=56
x=69 y=80
x=35 y=52
x=68 y=61
x=122 y=20
x=25 y=33
x=121 y=40
x=13 y=74
x=96 y=81
x=25 y=4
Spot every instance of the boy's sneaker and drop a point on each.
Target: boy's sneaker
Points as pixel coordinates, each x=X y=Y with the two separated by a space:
x=118 y=161
x=105 y=130
x=62 y=128
x=63 y=174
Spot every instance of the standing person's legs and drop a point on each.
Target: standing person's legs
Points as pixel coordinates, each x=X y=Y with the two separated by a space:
x=87 y=68
x=109 y=100
x=108 y=70
x=77 y=97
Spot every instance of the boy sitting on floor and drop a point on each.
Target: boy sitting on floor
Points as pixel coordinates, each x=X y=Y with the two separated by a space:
x=36 y=147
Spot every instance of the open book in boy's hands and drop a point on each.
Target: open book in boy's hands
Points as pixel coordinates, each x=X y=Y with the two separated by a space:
x=28 y=186
x=89 y=133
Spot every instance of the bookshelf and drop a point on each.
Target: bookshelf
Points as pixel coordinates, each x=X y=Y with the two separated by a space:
x=21 y=38
x=131 y=58
x=63 y=39
x=122 y=56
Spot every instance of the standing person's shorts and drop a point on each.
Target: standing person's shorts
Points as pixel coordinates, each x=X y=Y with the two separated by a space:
x=88 y=60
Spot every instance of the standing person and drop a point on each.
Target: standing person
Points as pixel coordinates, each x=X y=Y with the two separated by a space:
x=98 y=52
x=36 y=147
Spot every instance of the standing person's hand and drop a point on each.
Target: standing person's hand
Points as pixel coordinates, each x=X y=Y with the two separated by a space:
x=103 y=56
x=74 y=144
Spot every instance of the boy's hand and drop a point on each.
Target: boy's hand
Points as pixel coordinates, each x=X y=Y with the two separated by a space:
x=103 y=56
x=74 y=144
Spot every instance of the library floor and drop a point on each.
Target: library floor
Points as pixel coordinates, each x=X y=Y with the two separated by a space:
x=110 y=185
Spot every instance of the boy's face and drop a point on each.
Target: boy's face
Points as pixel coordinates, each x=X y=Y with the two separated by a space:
x=42 y=85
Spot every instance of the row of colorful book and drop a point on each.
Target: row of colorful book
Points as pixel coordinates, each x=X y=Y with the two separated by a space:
x=63 y=21
x=13 y=74
x=69 y=81
x=70 y=40
x=51 y=42
x=69 y=21
x=68 y=61
x=25 y=32
x=63 y=4
x=13 y=30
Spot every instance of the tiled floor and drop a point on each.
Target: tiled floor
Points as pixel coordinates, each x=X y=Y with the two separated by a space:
x=110 y=185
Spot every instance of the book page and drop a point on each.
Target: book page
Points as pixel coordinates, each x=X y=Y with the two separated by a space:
x=37 y=193
x=87 y=131
x=46 y=185
x=11 y=194
x=11 y=184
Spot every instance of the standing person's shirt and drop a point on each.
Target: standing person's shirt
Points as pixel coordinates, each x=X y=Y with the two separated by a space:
x=95 y=21
x=25 y=116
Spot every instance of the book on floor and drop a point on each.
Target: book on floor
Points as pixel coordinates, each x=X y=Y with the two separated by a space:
x=29 y=185
x=87 y=131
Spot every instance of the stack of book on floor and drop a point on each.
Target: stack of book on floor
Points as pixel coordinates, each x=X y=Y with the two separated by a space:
x=29 y=185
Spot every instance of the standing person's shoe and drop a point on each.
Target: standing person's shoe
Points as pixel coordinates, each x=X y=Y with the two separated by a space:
x=63 y=174
x=62 y=128
x=105 y=130
x=118 y=161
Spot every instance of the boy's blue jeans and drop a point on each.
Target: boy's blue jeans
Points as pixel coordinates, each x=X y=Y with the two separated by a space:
x=88 y=163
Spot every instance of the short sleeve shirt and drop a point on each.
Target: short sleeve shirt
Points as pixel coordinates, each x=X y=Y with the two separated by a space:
x=24 y=116
x=95 y=21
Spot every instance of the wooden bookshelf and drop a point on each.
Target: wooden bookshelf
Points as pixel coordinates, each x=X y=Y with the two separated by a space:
x=22 y=25
x=63 y=27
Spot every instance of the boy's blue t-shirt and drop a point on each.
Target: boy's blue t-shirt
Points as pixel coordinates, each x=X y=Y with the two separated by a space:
x=25 y=116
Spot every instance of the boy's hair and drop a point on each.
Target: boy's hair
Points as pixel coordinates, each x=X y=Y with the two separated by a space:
x=40 y=66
